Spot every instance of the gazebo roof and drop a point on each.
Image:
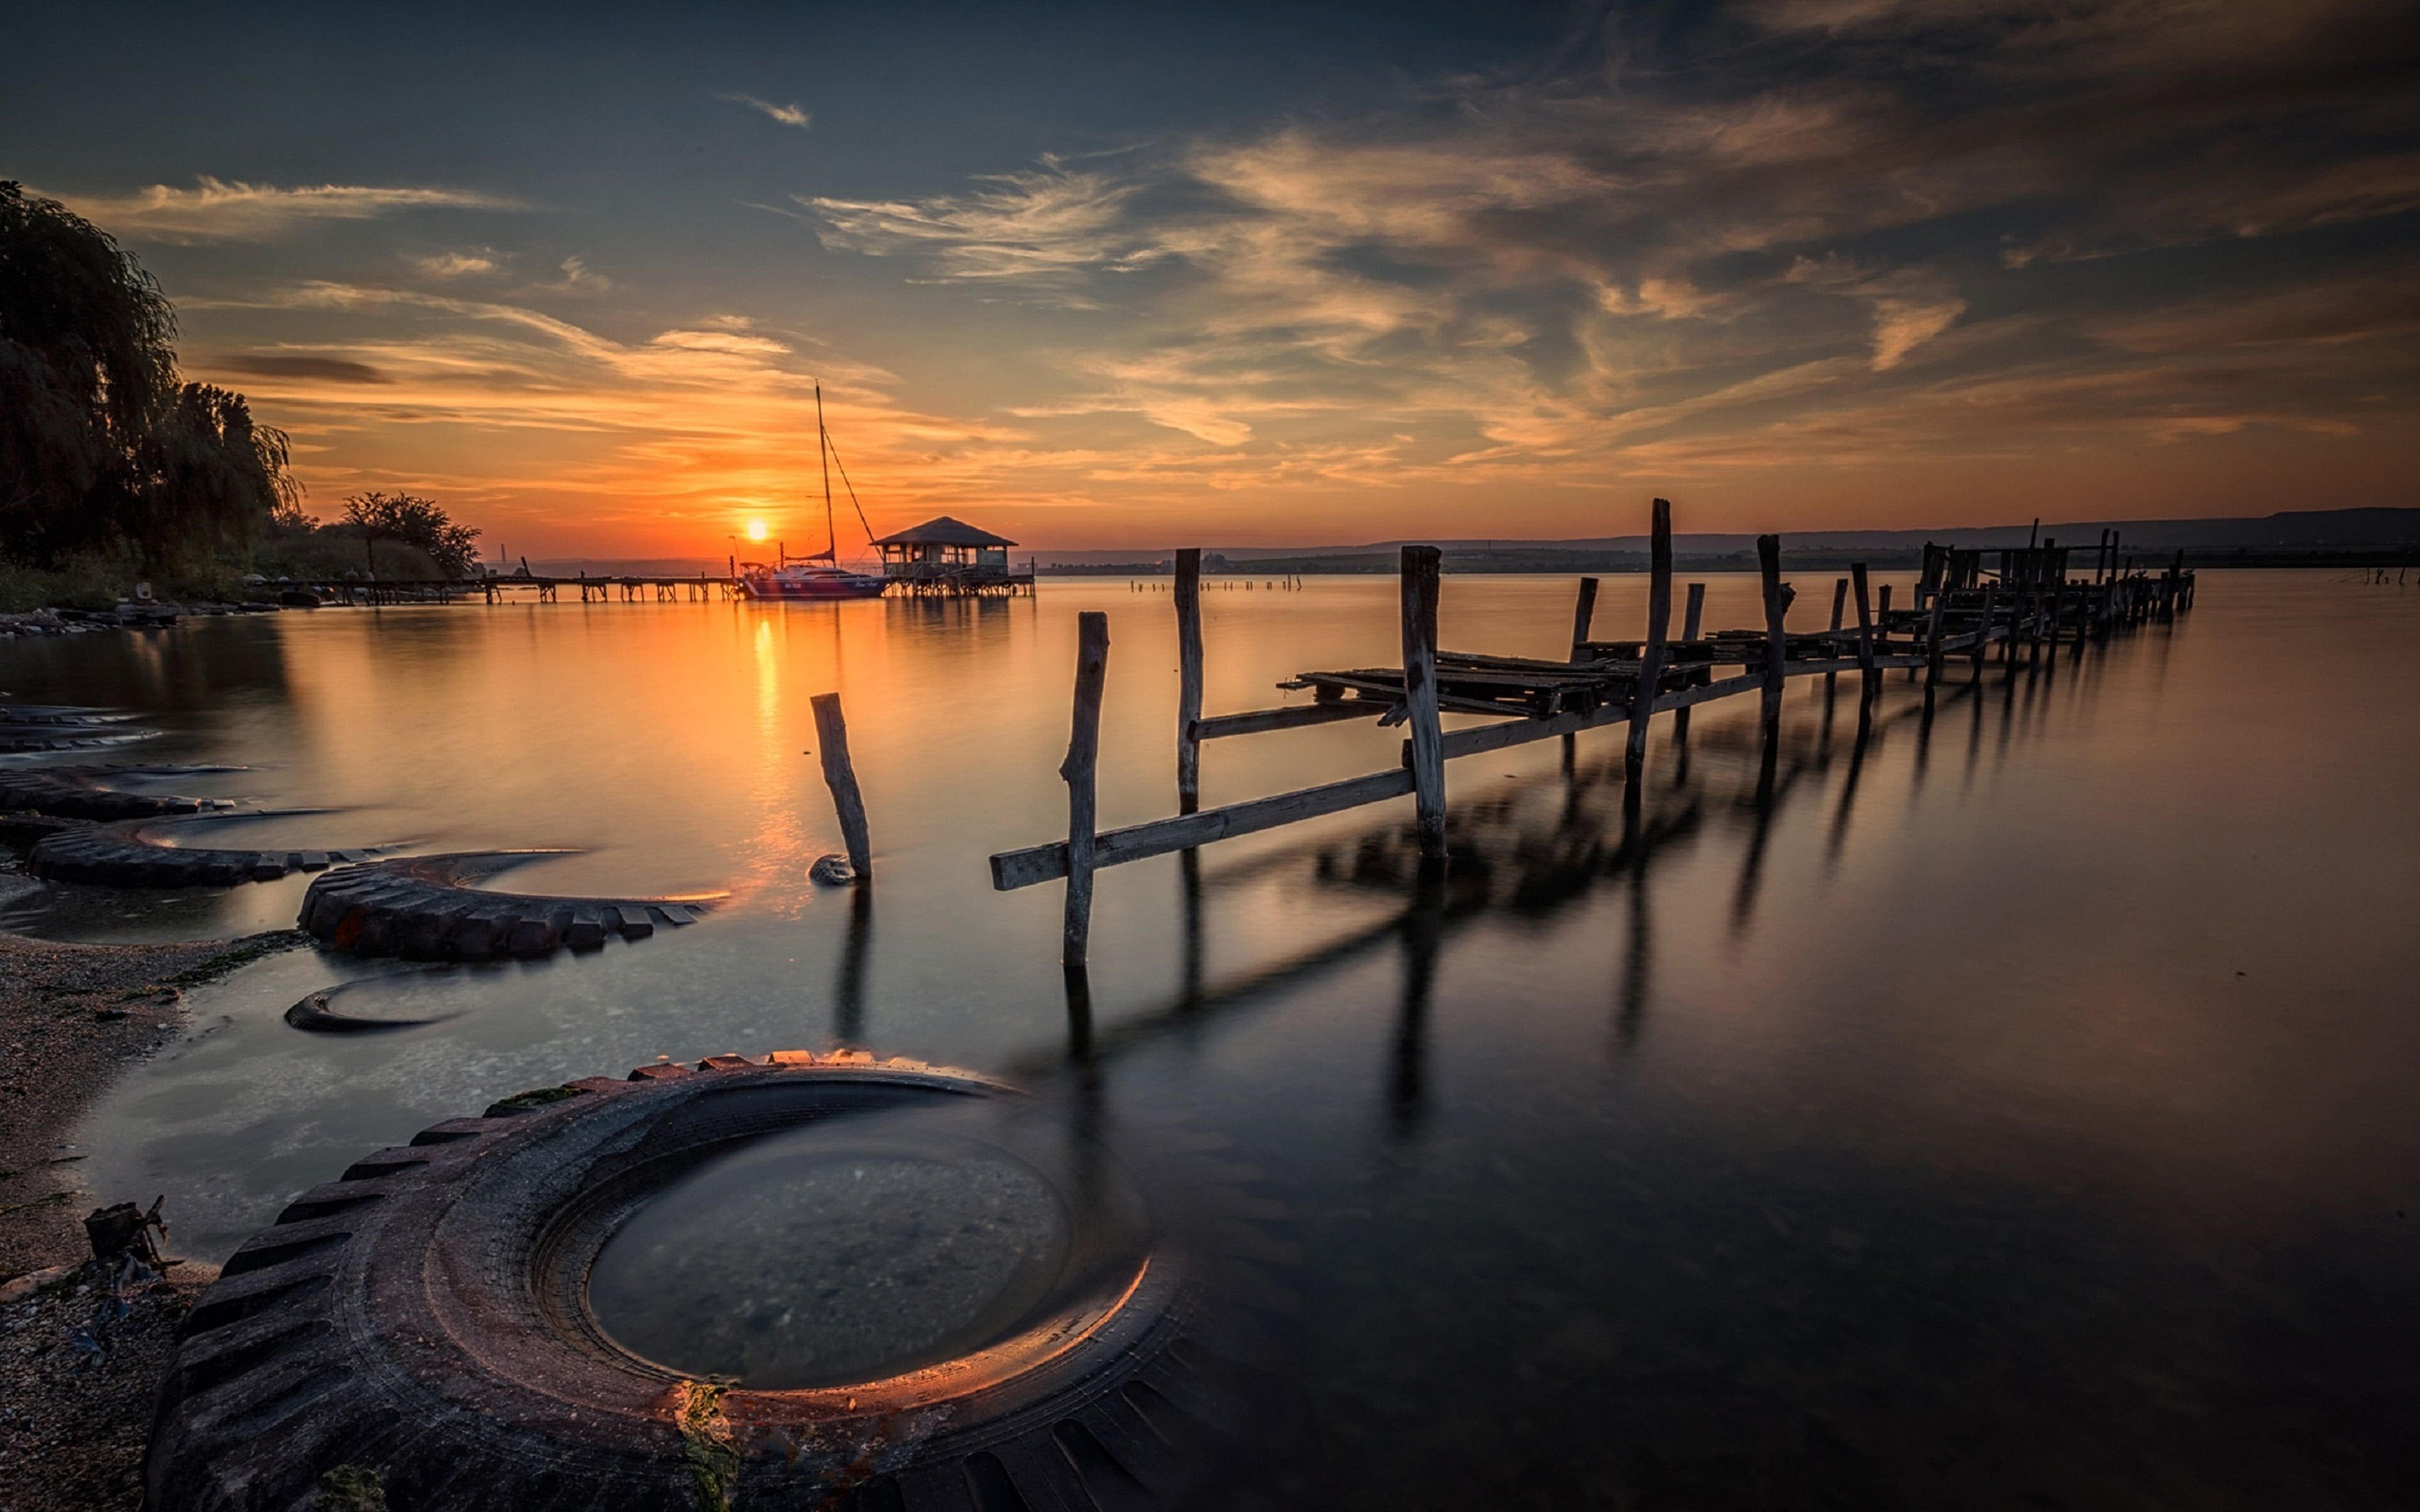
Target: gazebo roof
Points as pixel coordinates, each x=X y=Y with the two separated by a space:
x=943 y=531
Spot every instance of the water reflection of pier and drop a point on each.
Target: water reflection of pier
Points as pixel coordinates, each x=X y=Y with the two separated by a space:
x=1533 y=854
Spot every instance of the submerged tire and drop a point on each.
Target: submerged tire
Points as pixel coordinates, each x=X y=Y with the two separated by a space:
x=425 y=1320
x=120 y=854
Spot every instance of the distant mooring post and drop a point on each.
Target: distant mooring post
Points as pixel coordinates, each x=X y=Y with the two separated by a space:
x=1188 y=679
x=1659 y=627
x=1419 y=597
x=832 y=746
x=1081 y=770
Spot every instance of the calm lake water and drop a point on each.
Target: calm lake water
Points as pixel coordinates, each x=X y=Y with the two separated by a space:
x=2020 y=1109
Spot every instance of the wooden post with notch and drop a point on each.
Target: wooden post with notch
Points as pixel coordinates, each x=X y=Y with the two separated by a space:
x=1776 y=643
x=1081 y=769
x=1419 y=604
x=1583 y=615
x=832 y=746
x=1188 y=679
x=1653 y=655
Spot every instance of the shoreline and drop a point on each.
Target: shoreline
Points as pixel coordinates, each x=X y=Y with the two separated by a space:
x=83 y=1351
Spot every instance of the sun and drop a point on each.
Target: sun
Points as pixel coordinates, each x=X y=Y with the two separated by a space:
x=756 y=530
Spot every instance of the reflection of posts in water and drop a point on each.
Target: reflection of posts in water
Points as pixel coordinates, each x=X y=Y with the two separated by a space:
x=1188 y=882
x=1923 y=745
x=1633 y=1011
x=1974 y=741
x=848 y=992
x=1423 y=934
x=1752 y=865
x=1848 y=787
x=1078 y=983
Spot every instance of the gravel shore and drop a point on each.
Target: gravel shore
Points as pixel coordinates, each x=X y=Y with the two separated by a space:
x=81 y=1349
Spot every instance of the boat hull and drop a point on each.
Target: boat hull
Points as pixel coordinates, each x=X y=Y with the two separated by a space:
x=871 y=589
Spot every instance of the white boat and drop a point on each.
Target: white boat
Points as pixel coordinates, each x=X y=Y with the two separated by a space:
x=819 y=574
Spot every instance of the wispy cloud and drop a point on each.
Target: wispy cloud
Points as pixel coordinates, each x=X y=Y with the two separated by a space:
x=303 y=365
x=456 y=264
x=578 y=279
x=1570 y=277
x=232 y=210
x=1910 y=305
x=789 y=115
x=1870 y=234
x=1043 y=227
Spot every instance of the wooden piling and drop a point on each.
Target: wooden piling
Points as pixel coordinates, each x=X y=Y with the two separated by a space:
x=1692 y=622
x=1081 y=770
x=1870 y=676
x=1583 y=615
x=1652 y=655
x=1840 y=602
x=1932 y=641
x=831 y=748
x=1188 y=679
x=1419 y=604
x=1983 y=630
x=1776 y=642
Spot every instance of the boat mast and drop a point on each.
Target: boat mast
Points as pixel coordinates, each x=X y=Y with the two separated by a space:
x=823 y=449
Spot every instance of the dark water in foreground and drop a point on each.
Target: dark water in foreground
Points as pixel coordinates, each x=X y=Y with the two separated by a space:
x=2017 y=1110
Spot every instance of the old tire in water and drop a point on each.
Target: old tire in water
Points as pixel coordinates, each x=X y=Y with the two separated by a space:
x=425 y=1324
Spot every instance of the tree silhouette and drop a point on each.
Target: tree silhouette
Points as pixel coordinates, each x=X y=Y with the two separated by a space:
x=415 y=521
x=100 y=446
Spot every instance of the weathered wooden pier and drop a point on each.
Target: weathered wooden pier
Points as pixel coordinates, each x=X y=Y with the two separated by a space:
x=967 y=582
x=2029 y=608
x=626 y=588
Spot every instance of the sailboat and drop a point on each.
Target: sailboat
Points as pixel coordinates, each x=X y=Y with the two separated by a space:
x=819 y=574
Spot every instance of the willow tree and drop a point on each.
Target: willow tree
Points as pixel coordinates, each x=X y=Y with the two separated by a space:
x=100 y=446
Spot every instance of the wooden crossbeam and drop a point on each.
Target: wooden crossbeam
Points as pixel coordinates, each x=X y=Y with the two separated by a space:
x=1012 y=869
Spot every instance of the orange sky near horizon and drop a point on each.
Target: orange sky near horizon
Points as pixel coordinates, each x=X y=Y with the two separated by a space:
x=1794 y=264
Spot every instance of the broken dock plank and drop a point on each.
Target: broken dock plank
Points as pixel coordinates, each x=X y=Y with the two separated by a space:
x=1260 y=721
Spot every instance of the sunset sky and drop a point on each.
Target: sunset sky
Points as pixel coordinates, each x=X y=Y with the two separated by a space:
x=1299 y=275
